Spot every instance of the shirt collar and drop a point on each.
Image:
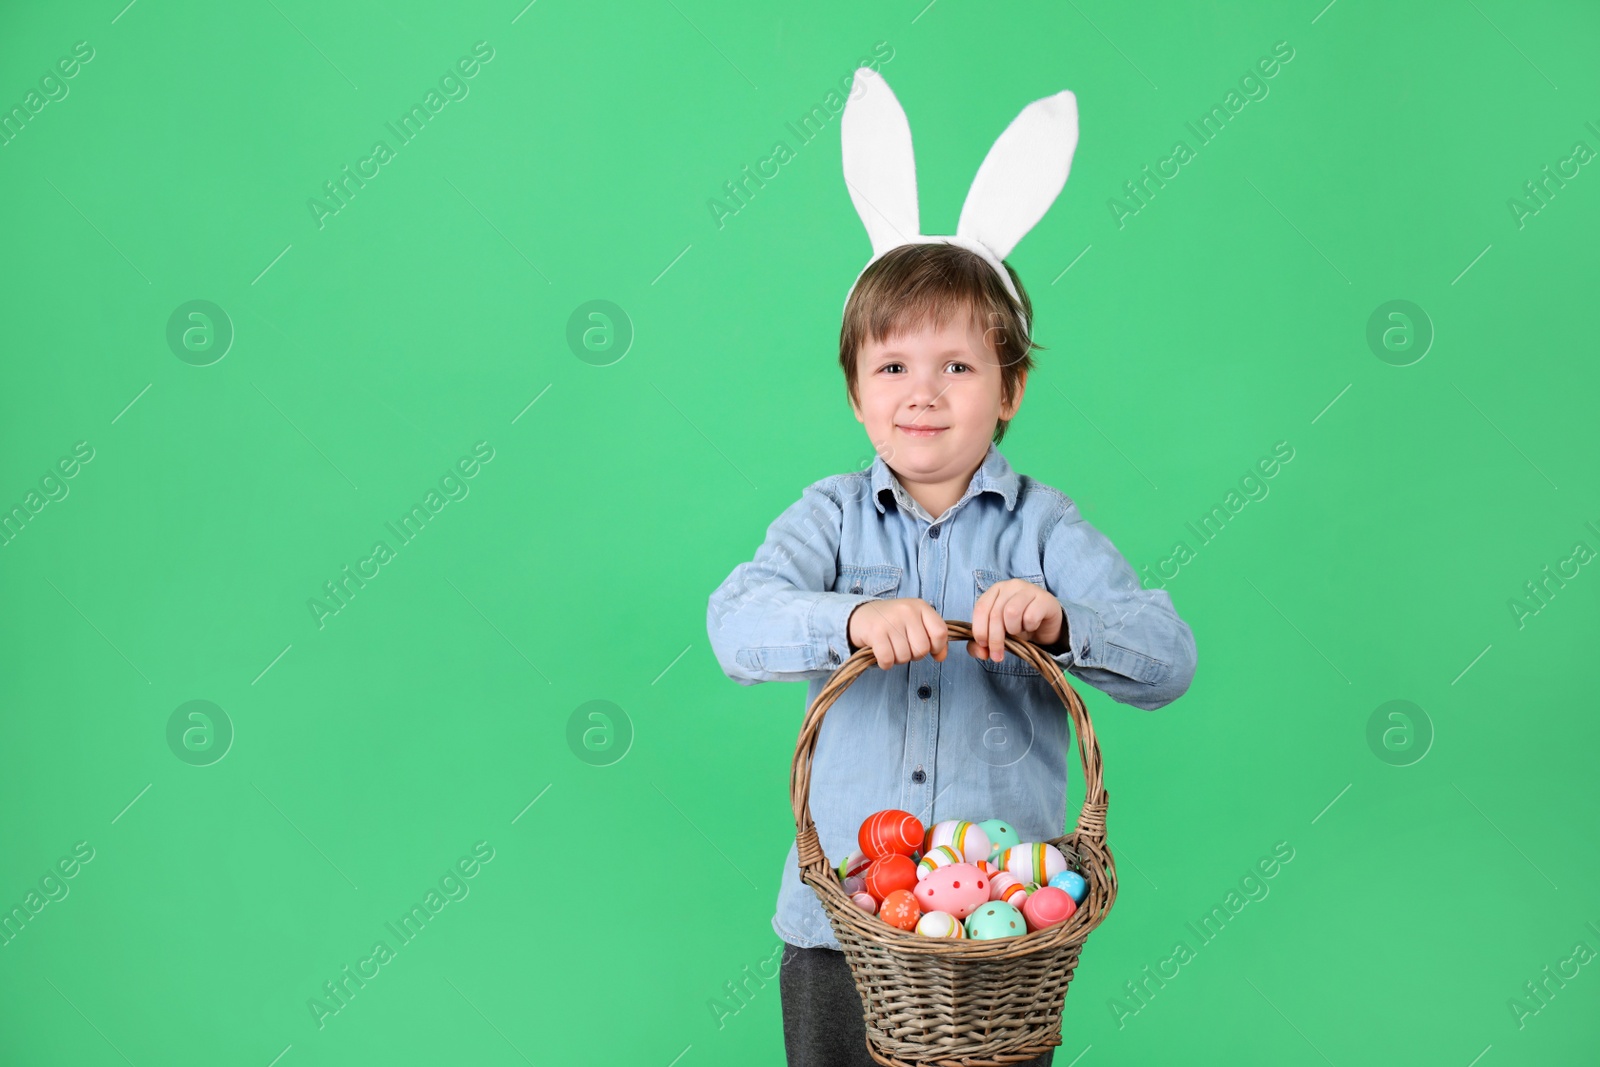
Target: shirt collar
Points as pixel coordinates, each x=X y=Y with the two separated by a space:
x=994 y=475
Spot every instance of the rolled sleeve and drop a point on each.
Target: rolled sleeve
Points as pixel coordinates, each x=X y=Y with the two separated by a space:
x=774 y=619
x=1123 y=639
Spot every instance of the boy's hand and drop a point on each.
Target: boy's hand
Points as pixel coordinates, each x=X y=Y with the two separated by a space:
x=1018 y=608
x=898 y=631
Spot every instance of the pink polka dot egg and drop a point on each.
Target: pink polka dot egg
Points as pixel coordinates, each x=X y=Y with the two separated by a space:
x=957 y=889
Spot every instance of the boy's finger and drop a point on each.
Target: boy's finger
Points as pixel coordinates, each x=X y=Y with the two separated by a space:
x=997 y=624
x=902 y=648
x=938 y=632
x=993 y=631
x=979 y=626
x=1016 y=613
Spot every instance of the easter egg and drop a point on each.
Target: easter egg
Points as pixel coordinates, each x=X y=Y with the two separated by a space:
x=987 y=868
x=900 y=910
x=855 y=863
x=1073 y=883
x=938 y=856
x=890 y=833
x=855 y=884
x=957 y=889
x=1047 y=907
x=940 y=924
x=865 y=902
x=996 y=919
x=891 y=873
x=966 y=838
x=1009 y=888
x=1001 y=835
x=1033 y=862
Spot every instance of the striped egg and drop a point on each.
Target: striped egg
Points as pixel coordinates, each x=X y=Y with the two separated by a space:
x=1035 y=861
x=889 y=833
x=940 y=924
x=966 y=838
x=855 y=864
x=855 y=884
x=987 y=868
x=1009 y=888
x=938 y=856
x=866 y=902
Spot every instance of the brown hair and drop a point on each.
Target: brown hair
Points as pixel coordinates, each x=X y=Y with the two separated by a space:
x=922 y=285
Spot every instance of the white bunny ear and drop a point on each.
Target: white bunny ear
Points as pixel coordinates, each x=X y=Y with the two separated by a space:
x=1022 y=175
x=879 y=168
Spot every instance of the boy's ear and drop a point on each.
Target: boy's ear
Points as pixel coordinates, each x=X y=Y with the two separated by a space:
x=1009 y=411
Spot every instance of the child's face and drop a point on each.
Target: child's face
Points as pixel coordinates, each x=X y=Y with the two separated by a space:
x=930 y=400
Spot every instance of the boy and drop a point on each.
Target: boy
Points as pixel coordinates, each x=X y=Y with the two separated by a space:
x=939 y=527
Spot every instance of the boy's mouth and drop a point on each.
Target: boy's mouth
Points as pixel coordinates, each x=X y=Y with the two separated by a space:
x=921 y=431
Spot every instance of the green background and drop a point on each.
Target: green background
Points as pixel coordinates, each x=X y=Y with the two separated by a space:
x=432 y=712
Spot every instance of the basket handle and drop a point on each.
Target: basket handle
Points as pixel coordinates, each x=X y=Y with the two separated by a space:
x=1091 y=825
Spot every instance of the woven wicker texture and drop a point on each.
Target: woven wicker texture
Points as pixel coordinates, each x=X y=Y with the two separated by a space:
x=938 y=1002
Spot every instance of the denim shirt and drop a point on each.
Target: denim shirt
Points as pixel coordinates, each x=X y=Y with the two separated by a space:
x=966 y=738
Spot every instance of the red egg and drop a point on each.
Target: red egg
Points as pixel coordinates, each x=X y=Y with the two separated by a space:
x=1047 y=906
x=889 y=833
x=891 y=873
x=900 y=910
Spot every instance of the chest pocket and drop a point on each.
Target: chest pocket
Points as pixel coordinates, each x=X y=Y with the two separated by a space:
x=880 y=580
x=1012 y=664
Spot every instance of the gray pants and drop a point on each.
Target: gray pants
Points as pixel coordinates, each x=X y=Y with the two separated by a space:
x=822 y=1024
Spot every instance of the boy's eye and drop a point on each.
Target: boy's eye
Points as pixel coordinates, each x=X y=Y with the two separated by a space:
x=947 y=366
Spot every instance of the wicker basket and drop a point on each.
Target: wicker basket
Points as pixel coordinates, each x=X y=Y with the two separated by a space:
x=938 y=1002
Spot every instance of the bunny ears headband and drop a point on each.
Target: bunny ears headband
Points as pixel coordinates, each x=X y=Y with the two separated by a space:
x=1020 y=177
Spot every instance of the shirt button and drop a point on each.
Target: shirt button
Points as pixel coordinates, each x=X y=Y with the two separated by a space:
x=933 y=532
x=924 y=692
x=919 y=776
x=833 y=656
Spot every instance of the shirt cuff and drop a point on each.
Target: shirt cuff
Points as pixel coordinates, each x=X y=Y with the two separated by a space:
x=828 y=627
x=1084 y=628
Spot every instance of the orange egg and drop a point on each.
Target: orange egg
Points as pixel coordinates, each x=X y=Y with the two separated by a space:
x=900 y=910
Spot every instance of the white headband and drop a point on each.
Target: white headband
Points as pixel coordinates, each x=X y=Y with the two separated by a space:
x=1020 y=177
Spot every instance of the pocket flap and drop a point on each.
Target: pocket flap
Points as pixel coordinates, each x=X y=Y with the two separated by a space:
x=878 y=580
x=985 y=578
